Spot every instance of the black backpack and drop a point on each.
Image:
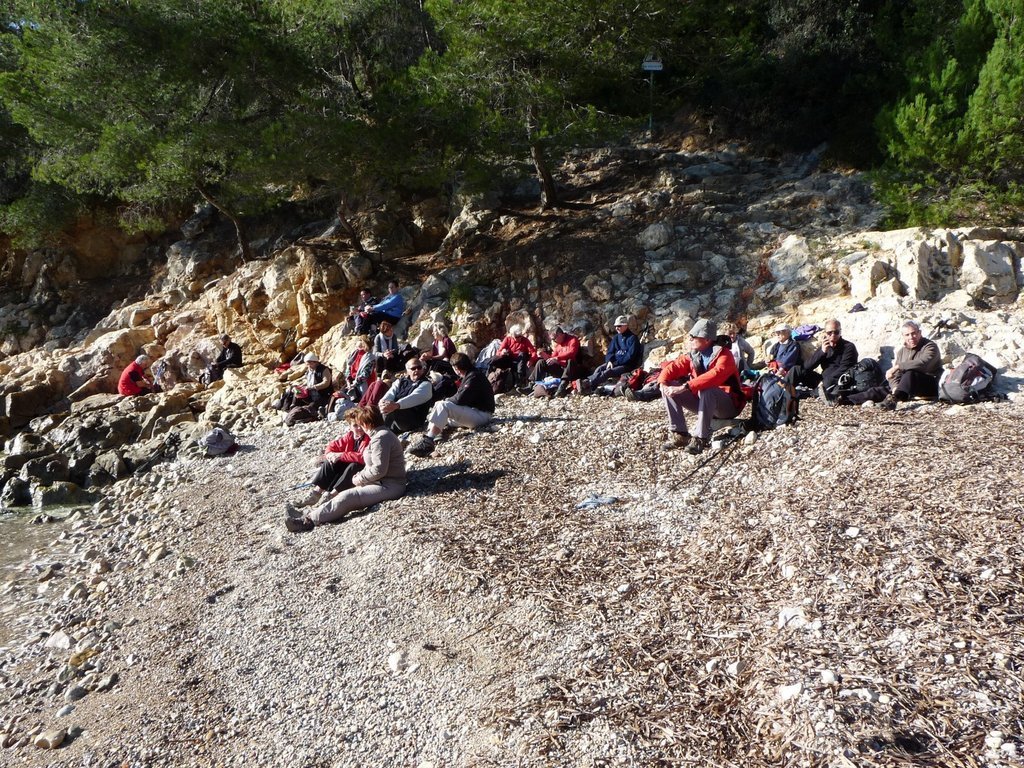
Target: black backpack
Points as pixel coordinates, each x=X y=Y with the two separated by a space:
x=865 y=375
x=775 y=403
x=969 y=382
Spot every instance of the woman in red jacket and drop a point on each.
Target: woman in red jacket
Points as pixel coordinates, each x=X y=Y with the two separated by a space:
x=342 y=458
x=133 y=380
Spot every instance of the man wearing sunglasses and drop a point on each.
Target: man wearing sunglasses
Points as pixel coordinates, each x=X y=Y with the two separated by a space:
x=406 y=404
x=835 y=357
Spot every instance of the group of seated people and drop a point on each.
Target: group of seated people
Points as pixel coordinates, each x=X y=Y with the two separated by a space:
x=396 y=399
x=708 y=380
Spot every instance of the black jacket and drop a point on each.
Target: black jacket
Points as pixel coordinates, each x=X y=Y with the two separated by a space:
x=475 y=392
x=834 y=363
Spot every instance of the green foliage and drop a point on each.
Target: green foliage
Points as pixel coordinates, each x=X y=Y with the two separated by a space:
x=36 y=216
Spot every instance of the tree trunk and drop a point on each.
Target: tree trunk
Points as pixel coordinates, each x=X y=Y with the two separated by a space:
x=548 y=193
x=240 y=232
x=346 y=225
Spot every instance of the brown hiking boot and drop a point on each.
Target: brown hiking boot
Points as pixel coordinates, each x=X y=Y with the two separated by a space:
x=697 y=445
x=888 y=404
x=676 y=440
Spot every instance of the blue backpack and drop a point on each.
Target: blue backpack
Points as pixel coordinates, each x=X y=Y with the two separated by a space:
x=774 y=404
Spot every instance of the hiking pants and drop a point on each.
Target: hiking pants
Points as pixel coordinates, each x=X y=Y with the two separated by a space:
x=520 y=363
x=602 y=374
x=364 y=324
x=911 y=384
x=357 y=498
x=711 y=403
x=446 y=412
x=545 y=368
x=335 y=475
x=406 y=420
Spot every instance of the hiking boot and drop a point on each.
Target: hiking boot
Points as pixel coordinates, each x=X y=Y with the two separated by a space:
x=292 y=511
x=629 y=394
x=422 y=447
x=312 y=498
x=842 y=400
x=697 y=445
x=563 y=389
x=888 y=404
x=583 y=386
x=298 y=524
x=676 y=440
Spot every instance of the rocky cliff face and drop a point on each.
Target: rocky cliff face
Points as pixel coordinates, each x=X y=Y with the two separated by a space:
x=660 y=234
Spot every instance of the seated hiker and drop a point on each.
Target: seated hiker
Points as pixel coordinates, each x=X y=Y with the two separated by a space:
x=704 y=382
x=342 y=458
x=133 y=379
x=391 y=309
x=312 y=394
x=516 y=353
x=625 y=353
x=381 y=478
x=741 y=350
x=836 y=356
x=785 y=352
x=438 y=357
x=471 y=406
x=230 y=357
x=914 y=373
x=406 y=404
x=365 y=299
x=561 y=361
x=386 y=349
x=360 y=368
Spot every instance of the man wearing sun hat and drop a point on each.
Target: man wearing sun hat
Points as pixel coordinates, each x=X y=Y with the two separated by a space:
x=625 y=353
x=704 y=381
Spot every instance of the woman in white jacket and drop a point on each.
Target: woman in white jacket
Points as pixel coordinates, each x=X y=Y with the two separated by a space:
x=382 y=477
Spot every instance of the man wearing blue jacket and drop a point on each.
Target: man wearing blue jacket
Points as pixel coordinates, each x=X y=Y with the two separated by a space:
x=625 y=353
x=390 y=309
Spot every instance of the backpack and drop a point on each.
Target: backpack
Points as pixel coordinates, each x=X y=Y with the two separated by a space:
x=218 y=441
x=863 y=376
x=968 y=382
x=775 y=403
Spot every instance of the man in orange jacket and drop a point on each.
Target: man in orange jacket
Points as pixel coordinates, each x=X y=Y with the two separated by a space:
x=704 y=382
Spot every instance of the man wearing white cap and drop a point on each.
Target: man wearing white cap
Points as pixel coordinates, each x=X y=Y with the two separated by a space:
x=625 y=353
x=784 y=354
x=705 y=382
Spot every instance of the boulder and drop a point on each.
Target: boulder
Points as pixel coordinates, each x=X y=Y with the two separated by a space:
x=16 y=493
x=60 y=492
x=989 y=271
x=790 y=261
x=924 y=269
x=656 y=236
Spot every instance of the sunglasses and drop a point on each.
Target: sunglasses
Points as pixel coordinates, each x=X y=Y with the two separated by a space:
x=831 y=333
x=415 y=368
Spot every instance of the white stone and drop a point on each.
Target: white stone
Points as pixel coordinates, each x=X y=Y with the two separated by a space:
x=50 y=739
x=60 y=641
x=792 y=618
x=828 y=677
x=397 y=661
x=787 y=692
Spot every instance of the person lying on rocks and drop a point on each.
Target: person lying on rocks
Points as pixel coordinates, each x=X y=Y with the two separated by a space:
x=133 y=380
x=741 y=350
x=382 y=478
x=785 y=352
x=704 y=382
x=471 y=406
x=438 y=357
x=516 y=353
x=405 y=406
x=230 y=357
x=342 y=458
x=835 y=357
x=390 y=309
x=562 y=361
x=625 y=353
x=915 y=372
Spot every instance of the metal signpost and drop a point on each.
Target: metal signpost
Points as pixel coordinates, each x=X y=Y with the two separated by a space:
x=651 y=64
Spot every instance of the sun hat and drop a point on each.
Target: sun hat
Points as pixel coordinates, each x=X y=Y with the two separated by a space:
x=311 y=357
x=622 y=320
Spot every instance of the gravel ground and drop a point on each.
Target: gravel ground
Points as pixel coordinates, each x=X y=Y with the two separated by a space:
x=845 y=591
